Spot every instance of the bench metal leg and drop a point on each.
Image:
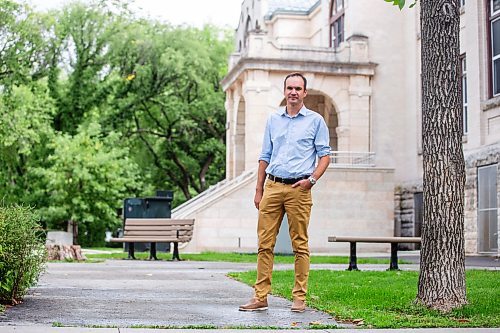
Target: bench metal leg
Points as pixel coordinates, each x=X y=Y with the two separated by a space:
x=131 y=254
x=175 y=255
x=152 y=252
x=394 y=257
x=353 y=265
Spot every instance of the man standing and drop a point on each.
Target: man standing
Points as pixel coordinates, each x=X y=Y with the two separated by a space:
x=293 y=137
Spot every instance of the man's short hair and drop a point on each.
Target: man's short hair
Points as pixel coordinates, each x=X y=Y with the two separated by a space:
x=295 y=74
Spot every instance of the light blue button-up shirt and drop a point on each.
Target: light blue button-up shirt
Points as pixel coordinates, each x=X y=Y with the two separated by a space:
x=291 y=144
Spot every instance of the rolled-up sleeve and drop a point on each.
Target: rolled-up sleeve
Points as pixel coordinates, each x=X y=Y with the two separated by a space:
x=267 y=145
x=322 y=139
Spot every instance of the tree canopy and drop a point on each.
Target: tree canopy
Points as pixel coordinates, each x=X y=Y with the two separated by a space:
x=97 y=105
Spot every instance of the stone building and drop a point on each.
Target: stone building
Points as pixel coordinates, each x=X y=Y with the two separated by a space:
x=362 y=61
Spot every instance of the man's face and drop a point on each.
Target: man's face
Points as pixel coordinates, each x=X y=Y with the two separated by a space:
x=294 y=90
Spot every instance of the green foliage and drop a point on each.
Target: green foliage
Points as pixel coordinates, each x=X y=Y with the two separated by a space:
x=25 y=116
x=171 y=102
x=22 y=252
x=21 y=44
x=79 y=53
x=401 y=3
x=85 y=180
x=386 y=299
x=97 y=106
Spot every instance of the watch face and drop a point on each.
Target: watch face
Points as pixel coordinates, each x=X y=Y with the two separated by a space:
x=312 y=180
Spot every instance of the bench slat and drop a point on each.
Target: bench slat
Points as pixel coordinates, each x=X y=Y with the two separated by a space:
x=156 y=227
x=156 y=230
x=394 y=241
x=148 y=233
x=140 y=239
x=159 y=221
x=374 y=239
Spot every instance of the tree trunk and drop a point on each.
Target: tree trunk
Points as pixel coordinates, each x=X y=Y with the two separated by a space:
x=65 y=252
x=441 y=284
x=73 y=228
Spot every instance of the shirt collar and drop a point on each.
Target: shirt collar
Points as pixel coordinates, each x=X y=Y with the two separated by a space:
x=303 y=111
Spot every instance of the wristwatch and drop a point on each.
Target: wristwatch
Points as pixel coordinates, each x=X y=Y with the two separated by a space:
x=312 y=180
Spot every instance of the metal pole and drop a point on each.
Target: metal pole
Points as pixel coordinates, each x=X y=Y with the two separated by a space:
x=353 y=266
x=394 y=257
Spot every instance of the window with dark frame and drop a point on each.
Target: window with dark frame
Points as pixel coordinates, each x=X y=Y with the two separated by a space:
x=487 y=208
x=494 y=19
x=336 y=22
x=463 y=75
x=418 y=216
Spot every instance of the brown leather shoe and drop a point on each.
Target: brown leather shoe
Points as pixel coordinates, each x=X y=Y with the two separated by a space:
x=298 y=305
x=254 y=305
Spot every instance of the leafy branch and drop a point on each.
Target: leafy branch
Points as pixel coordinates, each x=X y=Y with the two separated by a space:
x=401 y=3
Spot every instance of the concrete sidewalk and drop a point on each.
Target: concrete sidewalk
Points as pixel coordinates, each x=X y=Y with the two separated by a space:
x=122 y=293
x=39 y=329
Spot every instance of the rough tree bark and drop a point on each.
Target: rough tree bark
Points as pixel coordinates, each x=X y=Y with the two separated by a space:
x=64 y=252
x=441 y=284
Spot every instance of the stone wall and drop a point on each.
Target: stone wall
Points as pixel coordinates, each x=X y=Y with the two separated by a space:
x=404 y=212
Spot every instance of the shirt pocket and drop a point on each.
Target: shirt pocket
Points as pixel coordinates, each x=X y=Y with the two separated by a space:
x=278 y=139
x=306 y=141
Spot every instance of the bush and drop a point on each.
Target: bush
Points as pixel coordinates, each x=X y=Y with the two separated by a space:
x=22 y=252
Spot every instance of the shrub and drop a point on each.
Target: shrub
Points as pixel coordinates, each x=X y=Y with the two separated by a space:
x=22 y=252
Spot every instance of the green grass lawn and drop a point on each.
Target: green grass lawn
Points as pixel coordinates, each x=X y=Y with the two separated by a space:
x=385 y=299
x=236 y=257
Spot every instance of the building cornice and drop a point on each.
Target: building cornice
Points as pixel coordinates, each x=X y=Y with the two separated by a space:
x=289 y=65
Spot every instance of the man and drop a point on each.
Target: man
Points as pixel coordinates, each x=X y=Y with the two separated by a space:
x=293 y=138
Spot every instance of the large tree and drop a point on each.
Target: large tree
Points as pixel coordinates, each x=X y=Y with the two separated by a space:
x=441 y=283
x=442 y=270
x=25 y=107
x=81 y=35
x=170 y=99
x=97 y=105
x=84 y=181
x=155 y=83
x=21 y=44
x=25 y=116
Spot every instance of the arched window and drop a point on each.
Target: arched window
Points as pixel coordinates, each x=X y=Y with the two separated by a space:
x=247 y=30
x=336 y=22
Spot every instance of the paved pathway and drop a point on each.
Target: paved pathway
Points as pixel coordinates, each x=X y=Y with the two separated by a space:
x=122 y=293
x=33 y=329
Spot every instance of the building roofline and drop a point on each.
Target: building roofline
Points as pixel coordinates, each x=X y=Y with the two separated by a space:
x=290 y=65
x=287 y=11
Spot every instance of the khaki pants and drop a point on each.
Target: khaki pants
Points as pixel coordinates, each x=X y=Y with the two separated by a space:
x=296 y=202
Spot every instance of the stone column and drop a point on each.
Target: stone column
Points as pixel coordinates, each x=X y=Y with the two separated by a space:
x=230 y=107
x=256 y=90
x=359 y=113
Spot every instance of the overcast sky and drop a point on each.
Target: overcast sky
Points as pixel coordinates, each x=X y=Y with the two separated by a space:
x=191 y=12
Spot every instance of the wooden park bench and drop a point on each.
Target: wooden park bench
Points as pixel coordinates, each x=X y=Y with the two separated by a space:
x=394 y=241
x=159 y=230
